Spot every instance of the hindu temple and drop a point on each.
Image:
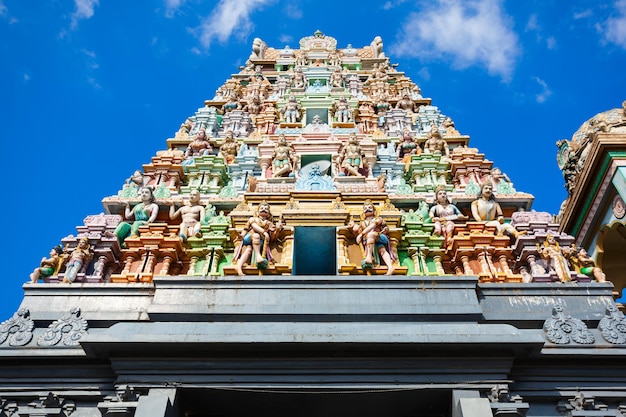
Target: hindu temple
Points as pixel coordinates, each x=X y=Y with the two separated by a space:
x=320 y=239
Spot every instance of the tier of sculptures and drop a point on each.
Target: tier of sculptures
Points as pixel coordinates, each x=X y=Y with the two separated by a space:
x=321 y=133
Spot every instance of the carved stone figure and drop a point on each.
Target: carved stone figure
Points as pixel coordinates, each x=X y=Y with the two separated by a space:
x=486 y=209
x=191 y=214
x=199 y=146
x=256 y=236
x=408 y=147
x=143 y=213
x=229 y=148
x=435 y=144
x=81 y=256
x=292 y=110
x=584 y=264
x=341 y=110
x=351 y=157
x=556 y=257
x=48 y=266
x=283 y=158
x=373 y=232
x=444 y=214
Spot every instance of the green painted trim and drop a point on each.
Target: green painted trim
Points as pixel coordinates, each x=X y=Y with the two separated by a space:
x=604 y=167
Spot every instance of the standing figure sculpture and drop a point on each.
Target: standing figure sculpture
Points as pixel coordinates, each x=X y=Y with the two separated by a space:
x=351 y=157
x=143 y=213
x=292 y=110
x=341 y=109
x=81 y=256
x=192 y=215
x=487 y=210
x=48 y=265
x=443 y=215
x=256 y=237
x=336 y=78
x=373 y=232
x=283 y=158
x=555 y=257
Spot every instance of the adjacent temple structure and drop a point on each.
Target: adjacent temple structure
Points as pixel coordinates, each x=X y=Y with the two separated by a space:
x=319 y=239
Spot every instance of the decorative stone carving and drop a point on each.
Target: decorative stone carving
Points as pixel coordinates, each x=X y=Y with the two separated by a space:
x=18 y=330
x=68 y=329
x=563 y=329
x=580 y=402
x=613 y=326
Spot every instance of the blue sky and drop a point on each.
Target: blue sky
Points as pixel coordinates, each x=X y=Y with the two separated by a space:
x=92 y=89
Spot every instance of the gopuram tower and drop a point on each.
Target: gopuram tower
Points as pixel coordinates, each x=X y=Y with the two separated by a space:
x=317 y=239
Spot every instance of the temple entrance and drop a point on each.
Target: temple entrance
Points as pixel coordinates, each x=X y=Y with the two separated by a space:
x=315 y=250
x=611 y=241
x=232 y=402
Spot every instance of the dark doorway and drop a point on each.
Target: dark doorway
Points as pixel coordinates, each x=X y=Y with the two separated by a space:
x=315 y=250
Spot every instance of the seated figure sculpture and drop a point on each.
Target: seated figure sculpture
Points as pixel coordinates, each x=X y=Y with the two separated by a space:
x=373 y=232
x=260 y=230
x=191 y=214
x=283 y=158
x=143 y=213
x=435 y=144
x=81 y=256
x=584 y=264
x=351 y=157
x=199 y=146
x=487 y=210
x=229 y=148
x=408 y=147
x=48 y=266
x=443 y=215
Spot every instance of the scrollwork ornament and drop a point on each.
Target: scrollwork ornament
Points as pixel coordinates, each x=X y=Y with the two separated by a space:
x=563 y=329
x=619 y=208
x=18 y=330
x=613 y=326
x=68 y=330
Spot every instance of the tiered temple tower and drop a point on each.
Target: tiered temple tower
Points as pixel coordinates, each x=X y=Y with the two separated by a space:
x=317 y=239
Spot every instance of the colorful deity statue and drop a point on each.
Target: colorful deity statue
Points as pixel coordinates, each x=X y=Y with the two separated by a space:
x=48 y=266
x=444 y=214
x=341 y=110
x=373 y=233
x=283 y=158
x=556 y=257
x=584 y=264
x=292 y=110
x=191 y=214
x=351 y=157
x=79 y=258
x=486 y=209
x=408 y=147
x=199 y=146
x=260 y=230
x=229 y=148
x=143 y=213
x=435 y=144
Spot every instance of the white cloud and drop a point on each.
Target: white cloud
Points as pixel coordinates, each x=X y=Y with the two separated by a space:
x=229 y=18
x=532 y=23
x=467 y=33
x=551 y=42
x=172 y=6
x=84 y=10
x=3 y=9
x=545 y=91
x=293 y=11
x=616 y=26
x=286 y=39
